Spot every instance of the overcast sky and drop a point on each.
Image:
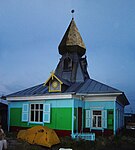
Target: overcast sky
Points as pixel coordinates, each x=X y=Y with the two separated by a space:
x=31 y=30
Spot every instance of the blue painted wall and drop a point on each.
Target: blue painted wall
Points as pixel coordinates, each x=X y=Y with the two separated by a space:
x=56 y=103
x=119 y=115
x=102 y=104
x=76 y=103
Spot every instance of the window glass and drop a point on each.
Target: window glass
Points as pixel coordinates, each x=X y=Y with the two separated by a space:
x=37 y=105
x=41 y=116
x=36 y=113
x=96 y=112
x=32 y=115
x=97 y=118
x=41 y=106
x=99 y=121
x=36 y=116
x=94 y=121
x=32 y=106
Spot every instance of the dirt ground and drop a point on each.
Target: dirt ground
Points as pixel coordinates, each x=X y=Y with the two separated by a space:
x=123 y=141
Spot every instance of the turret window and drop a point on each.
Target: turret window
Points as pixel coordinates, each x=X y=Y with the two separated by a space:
x=67 y=64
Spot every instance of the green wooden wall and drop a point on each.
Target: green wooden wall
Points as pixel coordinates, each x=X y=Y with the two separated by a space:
x=110 y=119
x=60 y=118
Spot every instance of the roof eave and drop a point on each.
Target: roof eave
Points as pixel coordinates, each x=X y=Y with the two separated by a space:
x=99 y=94
x=123 y=99
x=41 y=97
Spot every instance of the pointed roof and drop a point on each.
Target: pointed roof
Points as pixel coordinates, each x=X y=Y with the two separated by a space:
x=72 y=41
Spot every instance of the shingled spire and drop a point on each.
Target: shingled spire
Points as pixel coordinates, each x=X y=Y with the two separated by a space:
x=72 y=66
x=72 y=41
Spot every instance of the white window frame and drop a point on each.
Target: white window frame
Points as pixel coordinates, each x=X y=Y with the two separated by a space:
x=35 y=112
x=89 y=118
x=97 y=117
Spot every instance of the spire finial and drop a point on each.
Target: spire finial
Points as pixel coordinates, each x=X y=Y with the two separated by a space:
x=72 y=11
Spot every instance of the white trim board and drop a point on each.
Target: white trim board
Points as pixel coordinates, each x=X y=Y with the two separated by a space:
x=44 y=97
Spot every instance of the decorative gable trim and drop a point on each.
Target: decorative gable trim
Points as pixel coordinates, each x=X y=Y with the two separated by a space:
x=54 y=83
x=52 y=76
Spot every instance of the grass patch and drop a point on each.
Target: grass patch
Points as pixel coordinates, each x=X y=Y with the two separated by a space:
x=123 y=141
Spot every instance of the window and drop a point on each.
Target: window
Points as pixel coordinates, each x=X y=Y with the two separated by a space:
x=36 y=112
x=97 y=119
x=54 y=86
x=67 y=64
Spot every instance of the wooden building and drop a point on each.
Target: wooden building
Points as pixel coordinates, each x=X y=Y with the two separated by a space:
x=70 y=101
